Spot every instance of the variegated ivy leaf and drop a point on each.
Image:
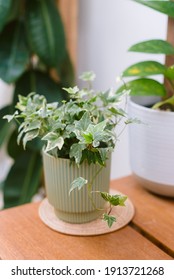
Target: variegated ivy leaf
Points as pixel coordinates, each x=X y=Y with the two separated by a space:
x=51 y=136
x=104 y=153
x=78 y=184
x=109 y=219
x=71 y=90
x=30 y=136
x=114 y=199
x=33 y=125
x=88 y=76
x=76 y=151
x=97 y=128
x=84 y=122
x=57 y=143
x=10 y=117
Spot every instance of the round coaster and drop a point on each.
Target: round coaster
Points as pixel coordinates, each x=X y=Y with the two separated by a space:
x=124 y=215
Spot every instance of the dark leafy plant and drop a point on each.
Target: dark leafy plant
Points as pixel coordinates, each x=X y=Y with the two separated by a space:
x=80 y=129
x=32 y=46
x=144 y=85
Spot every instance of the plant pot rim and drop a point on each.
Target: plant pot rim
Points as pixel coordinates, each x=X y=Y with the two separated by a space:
x=150 y=110
x=51 y=156
x=69 y=160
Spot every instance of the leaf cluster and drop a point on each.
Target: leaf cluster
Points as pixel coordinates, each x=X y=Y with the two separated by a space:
x=81 y=128
x=144 y=71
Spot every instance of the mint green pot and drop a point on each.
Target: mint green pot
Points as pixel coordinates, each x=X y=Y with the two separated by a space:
x=76 y=207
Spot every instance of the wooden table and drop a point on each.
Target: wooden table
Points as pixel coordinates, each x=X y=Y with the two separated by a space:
x=149 y=236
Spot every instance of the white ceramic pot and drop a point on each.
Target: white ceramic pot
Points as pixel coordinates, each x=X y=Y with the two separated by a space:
x=152 y=148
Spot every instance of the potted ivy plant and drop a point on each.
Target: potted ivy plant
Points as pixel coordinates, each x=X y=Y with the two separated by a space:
x=79 y=136
x=151 y=152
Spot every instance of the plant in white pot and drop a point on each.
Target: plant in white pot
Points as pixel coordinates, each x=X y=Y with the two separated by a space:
x=152 y=102
x=79 y=137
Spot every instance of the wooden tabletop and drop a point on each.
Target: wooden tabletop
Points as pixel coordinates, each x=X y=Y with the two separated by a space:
x=149 y=236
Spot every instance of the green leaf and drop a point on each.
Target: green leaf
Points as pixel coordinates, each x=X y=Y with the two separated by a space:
x=88 y=76
x=45 y=31
x=153 y=46
x=143 y=87
x=167 y=104
x=29 y=136
x=57 y=143
x=84 y=122
x=170 y=72
x=114 y=199
x=163 y=6
x=23 y=179
x=4 y=125
x=66 y=71
x=97 y=128
x=14 y=54
x=145 y=68
x=41 y=83
x=5 y=6
x=78 y=184
x=109 y=219
x=76 y=152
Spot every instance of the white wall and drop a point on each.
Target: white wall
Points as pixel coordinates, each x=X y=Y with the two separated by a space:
x=106 y=30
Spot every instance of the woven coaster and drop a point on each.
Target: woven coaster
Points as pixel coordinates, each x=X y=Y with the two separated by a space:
x=124 y=215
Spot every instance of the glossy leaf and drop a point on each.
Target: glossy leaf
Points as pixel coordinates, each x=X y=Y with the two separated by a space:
x=170 y=72
x=45 y=31
x=14 y=53
x=143 y=87
x=145 y=68
x=153 y=46
x=163 y=6
x=23 y=179
x=5 y=6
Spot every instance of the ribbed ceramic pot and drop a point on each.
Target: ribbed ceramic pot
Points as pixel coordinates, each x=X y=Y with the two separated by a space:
x=75 y=207
x=152 y=148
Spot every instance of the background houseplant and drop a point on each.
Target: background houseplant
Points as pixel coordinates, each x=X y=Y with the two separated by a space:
x=33 y=57
x=81 y=132
x=151 y=155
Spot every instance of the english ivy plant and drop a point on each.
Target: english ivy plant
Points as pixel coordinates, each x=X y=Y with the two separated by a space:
x=144 y=70
x=80 y=129
x=33 y=57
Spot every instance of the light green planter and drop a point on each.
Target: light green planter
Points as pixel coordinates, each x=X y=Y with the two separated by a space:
x=76 y=207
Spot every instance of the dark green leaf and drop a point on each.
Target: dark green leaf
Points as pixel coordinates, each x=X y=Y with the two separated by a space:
x=66 y=72
x=45 y=31
x=4 y=125
x=143 y=87
x=14 y=54
x=41 y=83
x=4 y=11
x=23 y=179
x=145 y=68
x=14 y=11
x=163 y=6
x=109 y=219
x=153 y=46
